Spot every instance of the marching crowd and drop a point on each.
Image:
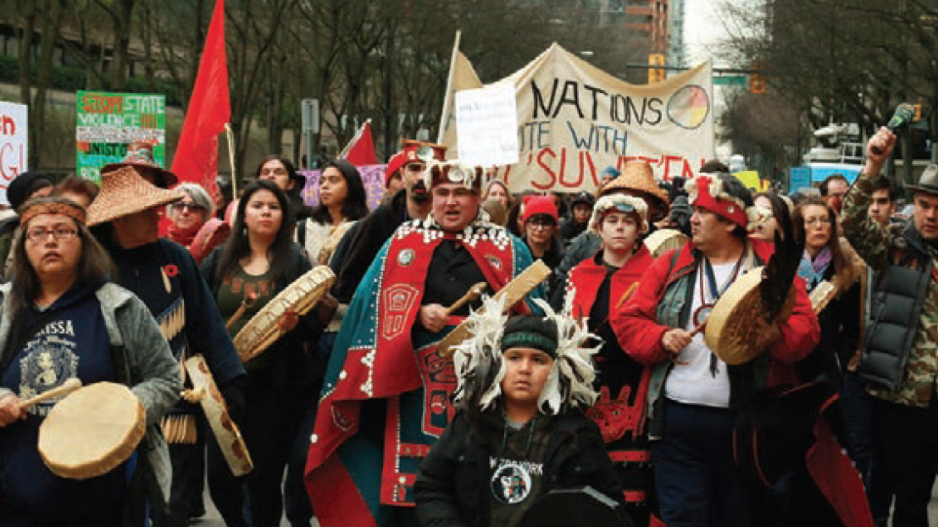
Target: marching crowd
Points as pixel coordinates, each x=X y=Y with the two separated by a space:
x=402 y=399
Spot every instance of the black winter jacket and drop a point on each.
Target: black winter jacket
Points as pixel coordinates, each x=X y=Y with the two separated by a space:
x=362 y=243
x=452 y=487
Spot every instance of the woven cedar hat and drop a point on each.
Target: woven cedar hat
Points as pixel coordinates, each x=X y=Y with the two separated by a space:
x=638 y=176
x=125 y=192
x=140 y=156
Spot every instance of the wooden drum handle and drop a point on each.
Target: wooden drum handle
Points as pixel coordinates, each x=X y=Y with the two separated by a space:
x=474 y=292
x=69 y=386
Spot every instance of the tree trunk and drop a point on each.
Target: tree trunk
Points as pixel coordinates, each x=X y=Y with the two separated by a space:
x=390 y=122
x=26 y=51
x=123 y=22
x=50 y=29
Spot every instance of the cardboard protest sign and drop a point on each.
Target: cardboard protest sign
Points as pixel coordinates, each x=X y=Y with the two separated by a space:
x=575 y=119
x=108 y=122
x=14 y=144
x=486 y=125
x=750 y=178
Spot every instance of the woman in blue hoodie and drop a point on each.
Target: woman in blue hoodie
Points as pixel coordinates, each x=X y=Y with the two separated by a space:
x=62 y=318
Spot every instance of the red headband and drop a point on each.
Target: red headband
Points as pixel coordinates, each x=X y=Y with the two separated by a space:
x=73 y=211
x=729 y=210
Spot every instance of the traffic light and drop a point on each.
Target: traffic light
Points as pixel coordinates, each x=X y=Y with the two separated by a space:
x=756 y=83
x=656 y=74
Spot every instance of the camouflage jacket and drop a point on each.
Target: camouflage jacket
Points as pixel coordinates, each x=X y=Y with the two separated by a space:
x=880 y=247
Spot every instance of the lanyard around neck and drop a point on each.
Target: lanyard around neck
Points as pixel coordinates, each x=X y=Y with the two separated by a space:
x=715 y=291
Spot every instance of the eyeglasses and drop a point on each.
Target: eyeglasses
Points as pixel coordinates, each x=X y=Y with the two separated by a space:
x=541 y=223
x=189 y=207
x=39 y=234
x=414 y=167
x=275 y=171
x=811 y=222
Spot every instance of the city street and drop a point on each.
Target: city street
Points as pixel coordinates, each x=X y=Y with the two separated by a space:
x=212 y=519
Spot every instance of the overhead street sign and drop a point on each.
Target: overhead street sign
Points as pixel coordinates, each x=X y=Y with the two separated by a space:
x=729 y=80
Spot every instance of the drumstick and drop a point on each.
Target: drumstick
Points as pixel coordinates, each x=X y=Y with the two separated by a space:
x=69 y=386
x=698 y=329
x=474 y=292
x=246 y=304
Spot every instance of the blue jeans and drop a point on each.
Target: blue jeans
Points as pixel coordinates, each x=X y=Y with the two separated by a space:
x=696 y=477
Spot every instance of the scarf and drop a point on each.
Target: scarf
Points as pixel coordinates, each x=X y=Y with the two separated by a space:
x=812 y=272
x=183 y=237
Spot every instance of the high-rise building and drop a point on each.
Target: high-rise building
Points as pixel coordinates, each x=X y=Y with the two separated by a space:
x=649 y=20
x=676 y=55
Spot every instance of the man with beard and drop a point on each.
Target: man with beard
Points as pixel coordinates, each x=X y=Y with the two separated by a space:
x=386 y=394
x=361 y=243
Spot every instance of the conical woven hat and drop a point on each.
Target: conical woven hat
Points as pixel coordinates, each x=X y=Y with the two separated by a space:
x=124 y=192
x=638 y=176
x=140 y=156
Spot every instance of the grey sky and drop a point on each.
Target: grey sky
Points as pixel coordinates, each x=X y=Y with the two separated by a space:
x=700 y=27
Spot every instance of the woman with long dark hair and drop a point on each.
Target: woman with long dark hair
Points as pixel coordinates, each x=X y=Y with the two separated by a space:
x=824 y=260
x=773 y=211
x=63 y=318
x=342 y=202
x=281 y=171
x=258 y=261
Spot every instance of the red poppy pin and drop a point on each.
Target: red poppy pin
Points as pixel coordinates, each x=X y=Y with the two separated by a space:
x=171 y=270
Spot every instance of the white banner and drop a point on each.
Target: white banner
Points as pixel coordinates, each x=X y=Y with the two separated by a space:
x=14 y=144
x=574 y=120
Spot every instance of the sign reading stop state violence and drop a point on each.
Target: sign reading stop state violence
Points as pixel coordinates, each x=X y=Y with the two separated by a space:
x=14 y=144
x=108 y=122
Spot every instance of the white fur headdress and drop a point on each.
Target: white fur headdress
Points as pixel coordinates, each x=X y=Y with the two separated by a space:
x=454 y=171
x=480 y=367
x=615 y=201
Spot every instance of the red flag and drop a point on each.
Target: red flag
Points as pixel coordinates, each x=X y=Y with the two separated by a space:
x=360 y=150
x=196 y=158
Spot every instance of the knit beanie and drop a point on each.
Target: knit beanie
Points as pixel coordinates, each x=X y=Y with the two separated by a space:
x=24 y=185
x=530 y=331
x=539 y=205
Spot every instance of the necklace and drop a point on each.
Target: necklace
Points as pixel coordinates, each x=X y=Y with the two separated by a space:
x=714 y=292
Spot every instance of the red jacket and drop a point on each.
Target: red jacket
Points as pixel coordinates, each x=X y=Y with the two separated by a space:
x=640 y=334
x=587 y=277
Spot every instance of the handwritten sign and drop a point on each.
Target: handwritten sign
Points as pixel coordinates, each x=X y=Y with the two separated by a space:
x=486 y=126
x=108 y=122
x=14 y=144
